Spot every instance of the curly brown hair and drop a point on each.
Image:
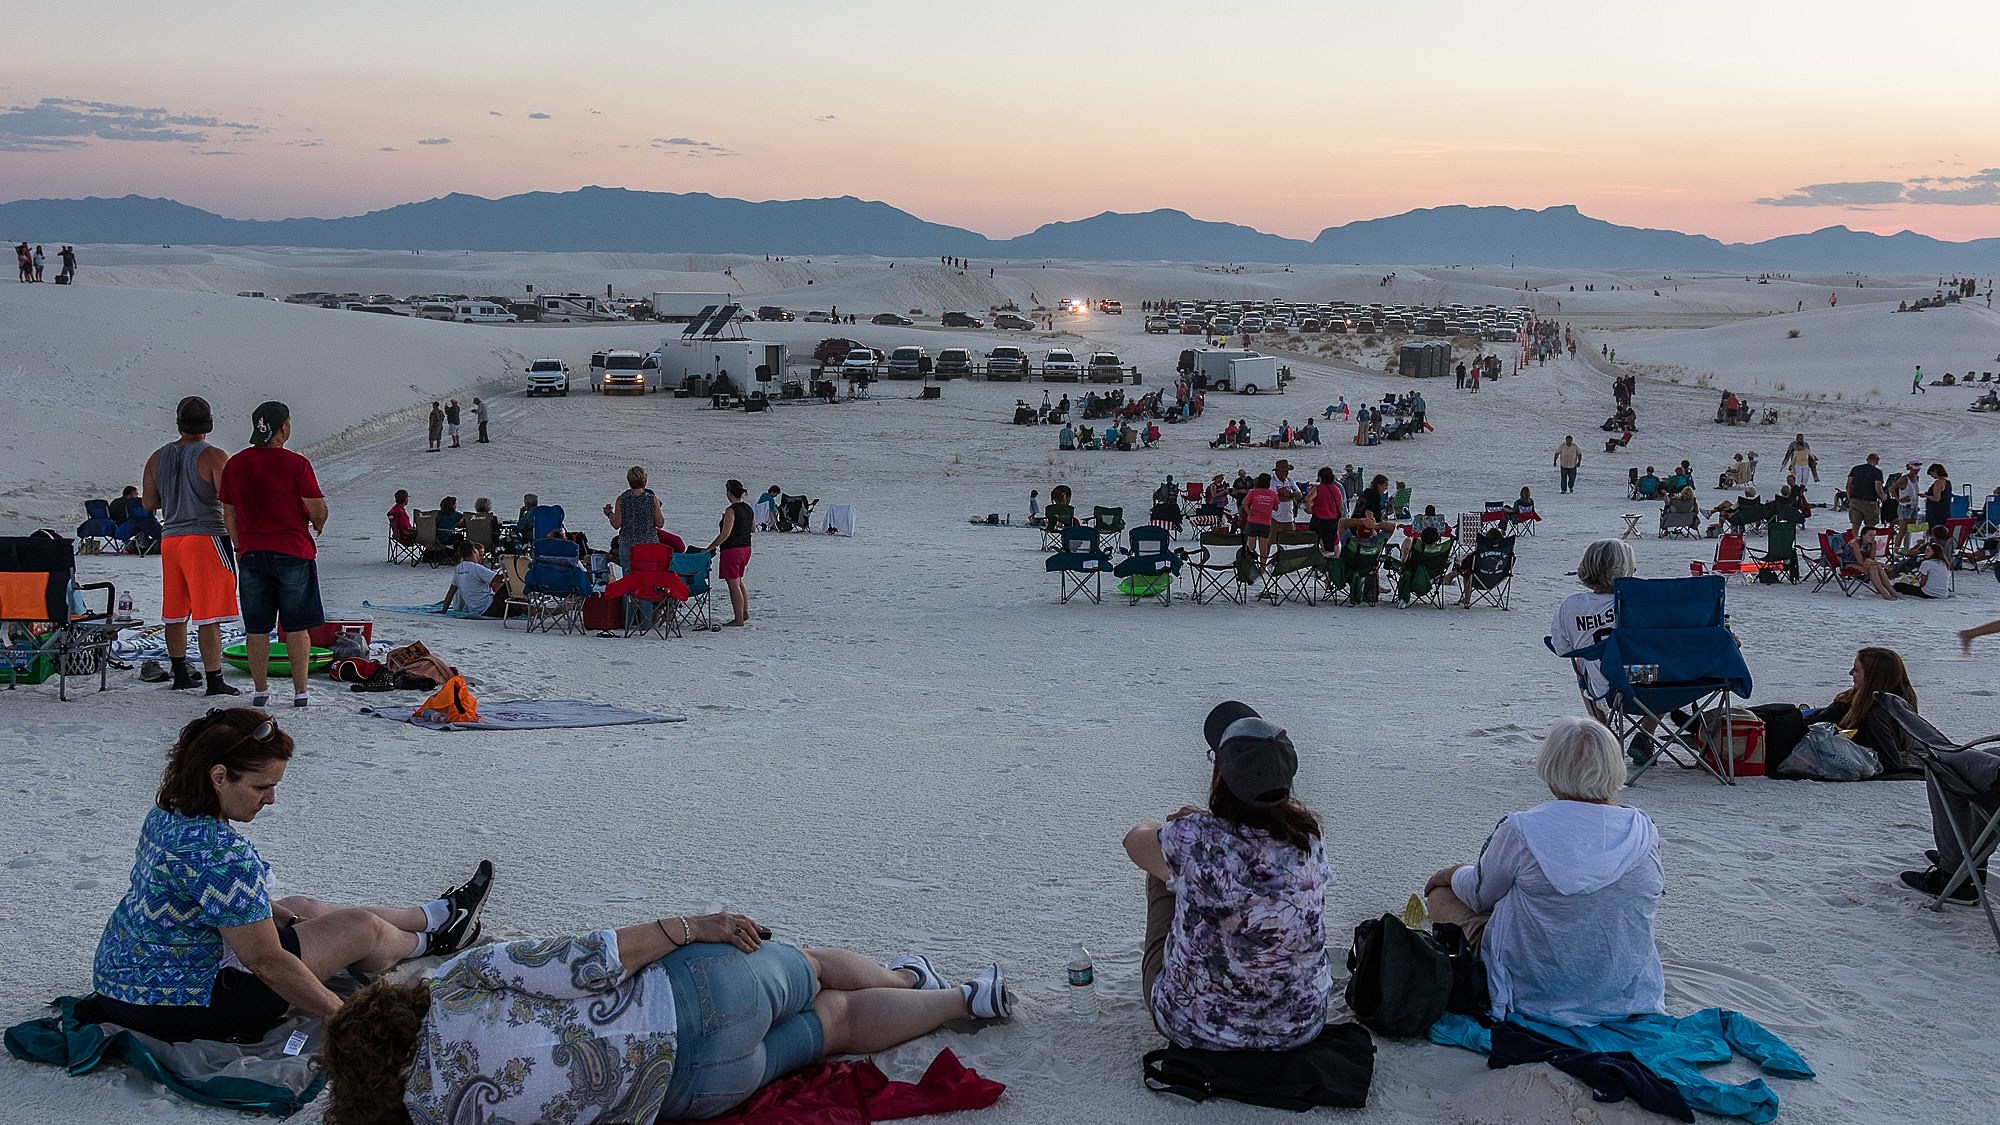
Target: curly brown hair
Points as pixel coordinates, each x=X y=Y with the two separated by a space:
x=370 y=1043
x=226 y=737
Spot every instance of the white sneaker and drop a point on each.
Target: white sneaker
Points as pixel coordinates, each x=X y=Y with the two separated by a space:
x=927 y=975
x=302 y=699
x=986 y=995
x=260 y=699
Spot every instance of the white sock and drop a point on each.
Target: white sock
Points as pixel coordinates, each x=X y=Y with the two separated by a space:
x=436 y=912
x=423 y=945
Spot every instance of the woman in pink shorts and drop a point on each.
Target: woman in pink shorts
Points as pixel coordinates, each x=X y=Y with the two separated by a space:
x=733 y=540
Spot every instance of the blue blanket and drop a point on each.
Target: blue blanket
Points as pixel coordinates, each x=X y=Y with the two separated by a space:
x=533 y=714
x=1673 y=1047
x=428 y=609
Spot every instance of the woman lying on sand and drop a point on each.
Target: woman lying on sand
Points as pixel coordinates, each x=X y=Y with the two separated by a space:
x=675 y=1019
x=197 y=949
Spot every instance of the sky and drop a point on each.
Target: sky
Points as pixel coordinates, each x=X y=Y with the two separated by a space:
x=1741 y=120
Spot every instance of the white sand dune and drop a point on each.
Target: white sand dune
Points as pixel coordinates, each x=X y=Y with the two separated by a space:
x=914 y=746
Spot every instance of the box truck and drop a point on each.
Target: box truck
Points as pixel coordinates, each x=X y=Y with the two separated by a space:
x=682 y=307
x=1232 y=369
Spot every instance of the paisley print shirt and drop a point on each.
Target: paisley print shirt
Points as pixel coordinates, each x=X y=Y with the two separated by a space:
x=1246 y=964
x=544 y=1029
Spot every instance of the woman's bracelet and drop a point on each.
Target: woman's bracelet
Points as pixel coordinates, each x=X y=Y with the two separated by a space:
x=686 y=934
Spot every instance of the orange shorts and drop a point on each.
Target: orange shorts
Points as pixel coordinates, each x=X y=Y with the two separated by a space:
x=200 y=579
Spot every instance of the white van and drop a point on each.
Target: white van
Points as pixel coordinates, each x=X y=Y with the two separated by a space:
x=615 y=372
x=480 y=312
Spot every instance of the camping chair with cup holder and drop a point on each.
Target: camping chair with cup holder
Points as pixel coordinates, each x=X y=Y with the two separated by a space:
x=1680 y=519
x=556 y=587
x=1110 y=524
x=653 y=592
x=1080 y=564
x=98 y=533
x=1420 y=572
x=483 y=530
x=1781 y=550
x=1298 y=569
x=404 y=550
x=696 y=570
x=1055 y=518
x=1668 y=662
x=1220 y=569
x=141 y=531
x=1147 y=571
x=1963 y=783
x=1354 y=576
x=42 y=634
x=431 y=549
x=1830 y=568
x=1525 y=517
x=1492 y=577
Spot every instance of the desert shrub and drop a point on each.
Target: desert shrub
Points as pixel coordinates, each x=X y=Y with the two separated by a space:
x=1792 y=334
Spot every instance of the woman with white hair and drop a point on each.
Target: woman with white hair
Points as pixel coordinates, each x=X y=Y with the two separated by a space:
x=1562 y=900
x=1586 y=618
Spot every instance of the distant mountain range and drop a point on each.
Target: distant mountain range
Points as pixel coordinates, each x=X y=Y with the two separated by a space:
x=615 y=219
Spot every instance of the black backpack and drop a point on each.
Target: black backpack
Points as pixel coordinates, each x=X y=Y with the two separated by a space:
x=1332 y=1070
x=1403 y=979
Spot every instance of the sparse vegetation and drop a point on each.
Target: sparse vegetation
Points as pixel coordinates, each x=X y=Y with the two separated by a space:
x=1777 y=386
x=1792 y=334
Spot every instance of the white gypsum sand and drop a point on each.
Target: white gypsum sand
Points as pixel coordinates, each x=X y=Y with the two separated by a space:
x=914 y=747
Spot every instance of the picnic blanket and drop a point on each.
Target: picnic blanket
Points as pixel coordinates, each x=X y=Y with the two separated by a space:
x=257 y=1077
x=428 y=609
x=535 y=714
x=150 y=642
x=856 y=1092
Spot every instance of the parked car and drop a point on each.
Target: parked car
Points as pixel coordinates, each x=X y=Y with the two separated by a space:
x=1113 y=308
x=773 y=312
x=818 y=317
x=891 y=320
x=1012 y=320
x=909 y=362
x=436 y=310
x=548 y=377
x=952 y=361
x=620 y=370
x=961 y=320
x=860 y=361
x=1007 y=362
x=1160 y=324
x=1061 y=366
x=1106 y=367
x=832 y=350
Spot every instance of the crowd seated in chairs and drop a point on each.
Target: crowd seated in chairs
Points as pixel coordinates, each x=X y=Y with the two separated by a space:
x=1733 y=410
x=1643 y=486
x=1624 y=419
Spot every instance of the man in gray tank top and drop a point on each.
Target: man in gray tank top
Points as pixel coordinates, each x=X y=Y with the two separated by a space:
x=196 y=562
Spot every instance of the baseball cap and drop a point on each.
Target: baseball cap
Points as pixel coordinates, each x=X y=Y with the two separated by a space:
x=267 y=420
x=193 y=416
x=1254 y=755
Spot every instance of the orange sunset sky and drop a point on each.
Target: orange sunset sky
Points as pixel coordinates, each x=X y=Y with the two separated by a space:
x=1739 y=120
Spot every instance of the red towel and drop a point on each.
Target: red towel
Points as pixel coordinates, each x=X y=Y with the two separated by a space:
x=857 y=1093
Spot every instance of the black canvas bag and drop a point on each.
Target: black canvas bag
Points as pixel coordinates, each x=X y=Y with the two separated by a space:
x=1402 y=979
x=1332 y=1070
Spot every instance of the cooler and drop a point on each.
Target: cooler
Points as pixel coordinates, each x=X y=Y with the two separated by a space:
x=324 y=635
x=1744 y=752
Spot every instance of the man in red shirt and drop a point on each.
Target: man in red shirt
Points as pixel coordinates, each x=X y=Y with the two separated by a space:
x=272 y=504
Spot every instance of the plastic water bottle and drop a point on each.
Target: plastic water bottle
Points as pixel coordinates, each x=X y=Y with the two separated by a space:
x=125 y=604
x=1082 y=985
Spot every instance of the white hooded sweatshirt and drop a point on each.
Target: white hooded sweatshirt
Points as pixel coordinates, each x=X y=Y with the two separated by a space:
x=1572 y=888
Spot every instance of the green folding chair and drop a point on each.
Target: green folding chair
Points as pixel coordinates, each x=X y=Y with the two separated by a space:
x=1297 y=569
x=1147 y=571
x=1110 y=524
x=1219 y=569
x=1080 y=564
x=1055 y=517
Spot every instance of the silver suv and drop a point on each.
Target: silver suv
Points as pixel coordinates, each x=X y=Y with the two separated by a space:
x=548 y=377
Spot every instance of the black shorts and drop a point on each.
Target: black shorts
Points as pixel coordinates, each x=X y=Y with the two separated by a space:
x=1328 y=532
x=1257 y=530
x=240 y=1009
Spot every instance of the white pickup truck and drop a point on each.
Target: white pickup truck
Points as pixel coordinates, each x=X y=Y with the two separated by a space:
x=548 y=377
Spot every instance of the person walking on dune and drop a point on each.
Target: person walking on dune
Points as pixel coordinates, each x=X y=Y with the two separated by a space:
x=273 y=507
x=197 y=564
x=1916 y=382
x=436 y=427
x=1569 y=455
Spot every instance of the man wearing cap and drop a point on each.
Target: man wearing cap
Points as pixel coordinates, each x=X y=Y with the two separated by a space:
x=197 y=567
x=1235 y=950
x=1286 y=517
x=273 y=506
x=1864 y=493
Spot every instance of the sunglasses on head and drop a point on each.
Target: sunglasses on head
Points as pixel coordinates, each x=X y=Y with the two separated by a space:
x=261 y=733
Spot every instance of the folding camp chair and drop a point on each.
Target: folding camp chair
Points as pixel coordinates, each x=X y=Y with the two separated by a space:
x=1055 y=517
x=98 y=533
x=1669 y=652
x=404 y=550
x=1632 y=484
x=1297 y=569
x=483 y=530
x=140 y=533
x=1728 y=560
x=1110 y=524
x=1781 y=551
x=1352 y=574
x=1495 y=511
x=1399 y=505
x=694 y=569
x=795 y=513
x=556 y=586
x=547 y=519
x=1148 y=569
x=1988 y=525
x=514 y=599
x=1492 y=577
x=1469 y=526
x=1525 y=517
x=652 y=590
x=1080 y=564
x=1963 y=782
x=1219 y=568
x=40 y=636
x=1680 y=519
x=1831 y=569
x=1420 y=572
x=430 y=550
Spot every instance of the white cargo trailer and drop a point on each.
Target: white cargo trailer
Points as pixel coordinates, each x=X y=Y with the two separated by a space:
x=683 y=307
x=680 y=358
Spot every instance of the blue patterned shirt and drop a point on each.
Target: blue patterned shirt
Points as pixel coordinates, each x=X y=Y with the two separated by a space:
x=191 y=877
x=544 y=1029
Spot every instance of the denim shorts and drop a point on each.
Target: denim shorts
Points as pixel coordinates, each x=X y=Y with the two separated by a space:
x=278 y=590
x=744 y=1020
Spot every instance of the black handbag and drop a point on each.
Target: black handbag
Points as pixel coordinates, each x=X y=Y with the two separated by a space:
x=1401 y=980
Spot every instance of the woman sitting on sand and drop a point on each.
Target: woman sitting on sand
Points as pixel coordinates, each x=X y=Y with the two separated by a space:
x=677 y=1019
x=1853 y=710
x=1235 y=954
x=1563 y=897
x=197 y=949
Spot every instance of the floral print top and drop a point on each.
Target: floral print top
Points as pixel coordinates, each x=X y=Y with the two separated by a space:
x=1246 y=964
x=545 y=1029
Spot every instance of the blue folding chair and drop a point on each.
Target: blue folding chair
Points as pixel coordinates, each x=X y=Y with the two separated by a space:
x=141 y=532
x=555 y=587
x=694 y=568
x=548 y=520
x=1669 y=651
x=1080 y=564
x=1149 y=566
x=98 y=533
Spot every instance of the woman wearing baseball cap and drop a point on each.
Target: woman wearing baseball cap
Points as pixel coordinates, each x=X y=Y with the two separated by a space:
x=1235 y=954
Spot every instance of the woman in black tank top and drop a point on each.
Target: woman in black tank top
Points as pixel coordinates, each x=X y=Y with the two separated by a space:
x=732 y=539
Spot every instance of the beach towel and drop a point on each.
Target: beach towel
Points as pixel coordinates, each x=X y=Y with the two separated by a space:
x=429 y=609
x=857 y=1092
x=535 y=714
x=257 y=1077
x=150 y=642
